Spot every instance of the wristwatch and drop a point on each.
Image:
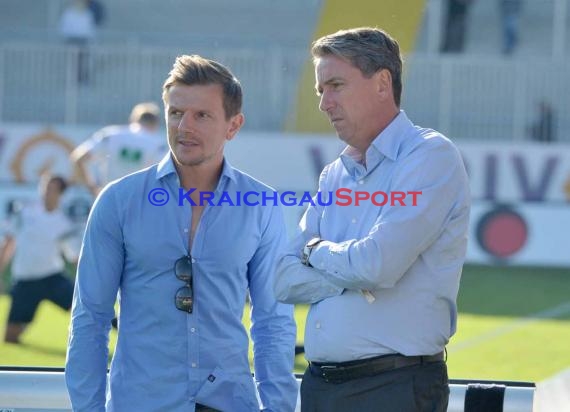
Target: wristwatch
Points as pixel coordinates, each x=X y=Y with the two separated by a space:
x=308 y=248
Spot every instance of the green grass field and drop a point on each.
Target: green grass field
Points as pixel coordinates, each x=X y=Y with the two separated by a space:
x=514 y=324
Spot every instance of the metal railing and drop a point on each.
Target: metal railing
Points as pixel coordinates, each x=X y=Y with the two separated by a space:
x=491 y=98
x=464 y=96
x=43 y=389
x=64 y=84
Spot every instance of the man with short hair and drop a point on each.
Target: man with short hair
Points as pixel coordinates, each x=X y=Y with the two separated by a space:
x=381 y=277
x=183 y=271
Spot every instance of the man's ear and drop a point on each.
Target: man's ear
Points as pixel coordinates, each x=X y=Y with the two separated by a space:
x=383 y=82
x=236 y=122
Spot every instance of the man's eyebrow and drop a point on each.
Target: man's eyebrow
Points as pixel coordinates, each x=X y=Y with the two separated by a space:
x=333 y=79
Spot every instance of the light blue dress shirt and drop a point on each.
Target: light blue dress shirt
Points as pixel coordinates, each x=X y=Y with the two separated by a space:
x=166 y=359
x=409 y=257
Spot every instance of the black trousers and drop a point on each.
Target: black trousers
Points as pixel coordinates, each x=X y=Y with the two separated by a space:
x=419 y=388
x=28 y=294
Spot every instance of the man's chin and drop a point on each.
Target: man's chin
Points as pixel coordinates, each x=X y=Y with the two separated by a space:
x=341 y=134
x=188 y=161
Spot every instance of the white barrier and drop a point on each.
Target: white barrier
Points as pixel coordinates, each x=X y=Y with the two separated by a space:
x=35 y=391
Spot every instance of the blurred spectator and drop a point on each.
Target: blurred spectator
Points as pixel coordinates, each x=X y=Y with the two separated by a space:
x=455 y=26
x=37 y=238
x=544 y=128
x=98 y=11
x=510 y=17
x=77 y=27
x=116 y=151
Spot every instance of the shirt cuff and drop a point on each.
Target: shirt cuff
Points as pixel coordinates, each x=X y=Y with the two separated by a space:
x=327 y=255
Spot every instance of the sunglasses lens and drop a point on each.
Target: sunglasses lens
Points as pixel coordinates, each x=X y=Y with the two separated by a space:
x=184 y=299
x=183 y=269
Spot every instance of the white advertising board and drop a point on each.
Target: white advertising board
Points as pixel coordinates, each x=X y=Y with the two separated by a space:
x=533 y=179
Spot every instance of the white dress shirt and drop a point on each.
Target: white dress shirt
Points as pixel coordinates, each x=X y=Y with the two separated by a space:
x=409 y=257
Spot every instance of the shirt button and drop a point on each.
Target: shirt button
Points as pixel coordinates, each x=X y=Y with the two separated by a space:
x=194 y=364
x=185 y=230
x=353 y=220
x=361 y=182
x=192 y=330
x=193 y=260
x=318 y=325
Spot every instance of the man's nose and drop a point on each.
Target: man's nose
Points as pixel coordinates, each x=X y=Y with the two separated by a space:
x=326 y=102
x=186 y=123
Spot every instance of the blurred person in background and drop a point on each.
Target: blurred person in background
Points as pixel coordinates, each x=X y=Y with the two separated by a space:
x=455 y=29
x=39 y=237
x=544 y=127
x=116 y=151
x=77 y=27
x=382 y=280
x=98 y=10
x=510 y=11
x=183 y=273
